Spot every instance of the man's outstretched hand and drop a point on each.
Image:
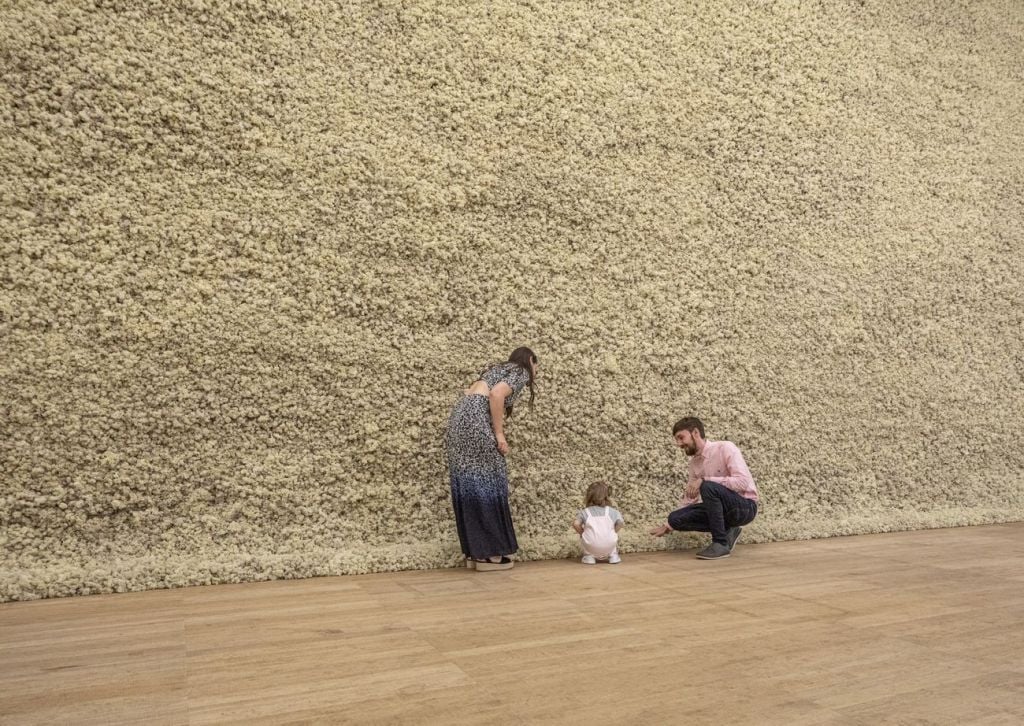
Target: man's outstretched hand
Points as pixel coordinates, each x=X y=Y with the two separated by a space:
x=661 y=530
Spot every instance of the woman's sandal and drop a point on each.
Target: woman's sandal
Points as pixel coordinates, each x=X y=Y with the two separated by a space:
x=488 y=566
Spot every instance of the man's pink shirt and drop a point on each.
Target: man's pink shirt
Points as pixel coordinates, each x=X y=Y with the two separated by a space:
x=722 y=462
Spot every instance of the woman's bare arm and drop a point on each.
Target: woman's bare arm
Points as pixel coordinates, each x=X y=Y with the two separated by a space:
x=497 y=402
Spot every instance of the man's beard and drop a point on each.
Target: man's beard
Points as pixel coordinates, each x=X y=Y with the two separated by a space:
x=690 y=450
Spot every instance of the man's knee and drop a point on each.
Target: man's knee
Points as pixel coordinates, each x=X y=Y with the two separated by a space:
x=709 y=489
x=688 y=519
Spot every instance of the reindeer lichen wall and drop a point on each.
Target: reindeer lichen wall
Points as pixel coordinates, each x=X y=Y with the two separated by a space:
x=253 y=251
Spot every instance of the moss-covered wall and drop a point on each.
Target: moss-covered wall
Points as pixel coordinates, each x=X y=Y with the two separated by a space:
x=252 y=252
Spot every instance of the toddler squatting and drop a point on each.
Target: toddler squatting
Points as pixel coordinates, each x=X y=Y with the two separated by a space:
x=598 y=525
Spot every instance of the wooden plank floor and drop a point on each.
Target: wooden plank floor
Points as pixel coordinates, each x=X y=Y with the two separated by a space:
x=909 y=628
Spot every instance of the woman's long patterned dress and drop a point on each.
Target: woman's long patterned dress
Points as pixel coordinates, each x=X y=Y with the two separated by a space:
x=479 y=474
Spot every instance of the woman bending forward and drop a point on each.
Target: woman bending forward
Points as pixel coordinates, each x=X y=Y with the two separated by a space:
x=476 y=447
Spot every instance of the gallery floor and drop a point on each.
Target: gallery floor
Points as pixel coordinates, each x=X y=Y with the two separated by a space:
x=909 y=628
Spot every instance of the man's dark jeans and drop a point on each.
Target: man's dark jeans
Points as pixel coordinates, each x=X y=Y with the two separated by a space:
x=720 y=508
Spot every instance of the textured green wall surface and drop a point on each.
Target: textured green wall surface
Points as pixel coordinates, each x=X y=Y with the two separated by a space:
x=253 y=251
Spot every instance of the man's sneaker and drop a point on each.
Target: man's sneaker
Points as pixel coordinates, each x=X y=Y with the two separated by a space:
x=589 y=560
x=713 y=552
x=732 y=534
x=614 y=559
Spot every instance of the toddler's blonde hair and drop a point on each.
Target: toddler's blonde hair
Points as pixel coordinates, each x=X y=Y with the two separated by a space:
x=599 y=494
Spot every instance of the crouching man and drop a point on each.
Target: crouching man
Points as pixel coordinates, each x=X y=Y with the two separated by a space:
x=720 y=495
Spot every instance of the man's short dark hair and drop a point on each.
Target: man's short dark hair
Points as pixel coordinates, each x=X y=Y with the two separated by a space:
x=689 y=424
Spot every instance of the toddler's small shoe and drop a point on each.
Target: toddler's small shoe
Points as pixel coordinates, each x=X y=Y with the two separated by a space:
x=589 y=560
x=614 y=559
